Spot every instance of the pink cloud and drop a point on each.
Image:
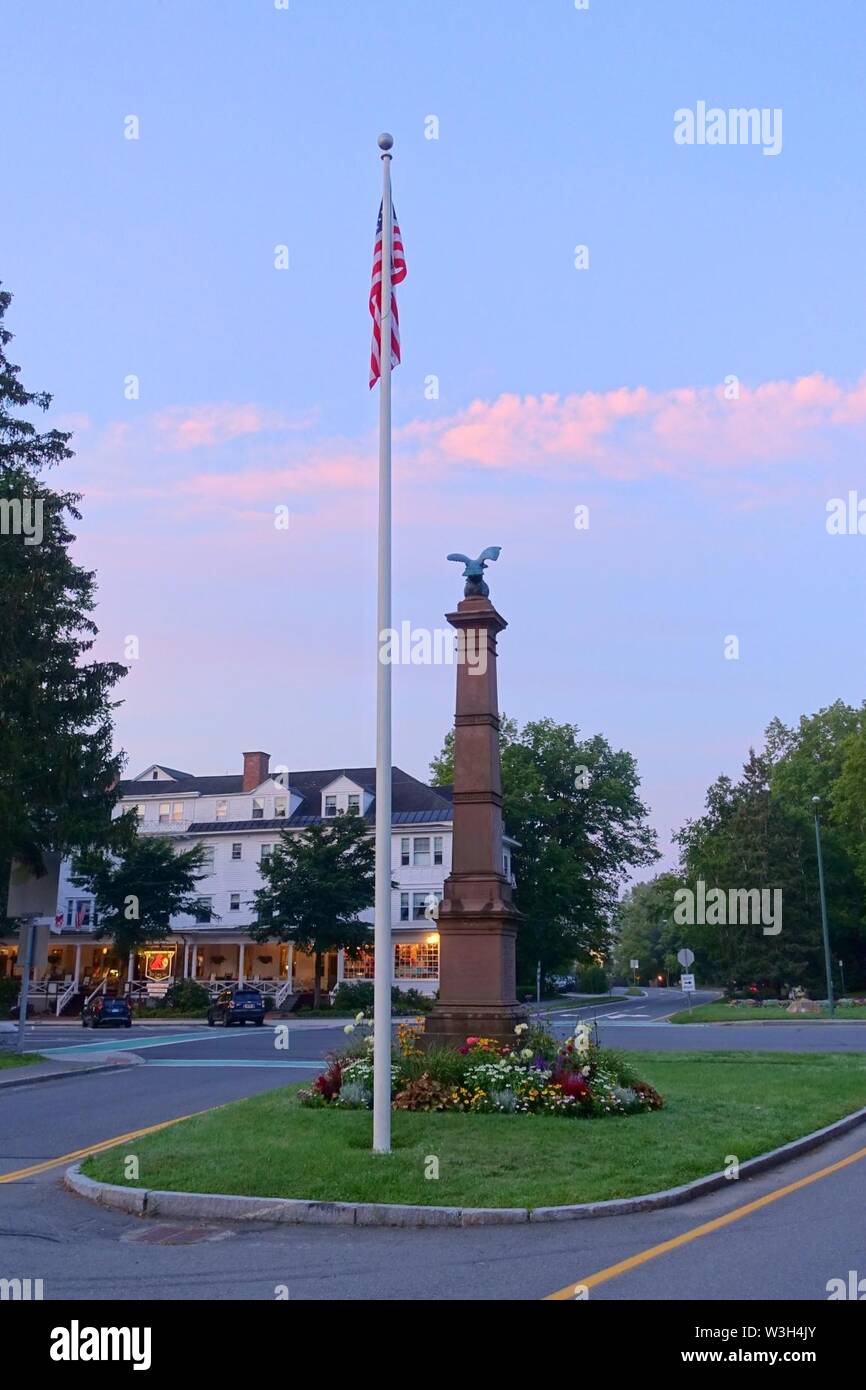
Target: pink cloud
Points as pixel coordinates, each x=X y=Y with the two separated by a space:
x=193 y=427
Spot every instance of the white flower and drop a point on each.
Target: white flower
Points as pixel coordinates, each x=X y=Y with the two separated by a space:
x=521 y=1028
x=359 y=1018
x=349 y=1028
x=527 y=1054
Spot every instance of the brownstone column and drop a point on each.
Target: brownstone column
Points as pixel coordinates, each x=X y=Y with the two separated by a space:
x=477 y=919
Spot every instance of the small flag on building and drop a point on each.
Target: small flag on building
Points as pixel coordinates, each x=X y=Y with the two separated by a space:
x=398 y=274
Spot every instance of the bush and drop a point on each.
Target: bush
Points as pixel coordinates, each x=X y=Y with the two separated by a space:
x=592 y=979
x=9 y=991
x=356 y=996
x=187 y=997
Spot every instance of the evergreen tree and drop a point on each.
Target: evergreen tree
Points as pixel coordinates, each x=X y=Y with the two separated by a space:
x=57 y=767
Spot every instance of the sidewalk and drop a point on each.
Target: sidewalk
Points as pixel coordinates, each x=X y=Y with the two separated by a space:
x=54 y=1070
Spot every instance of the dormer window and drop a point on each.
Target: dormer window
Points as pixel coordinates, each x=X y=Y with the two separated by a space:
x=279 y=807
x=330 y=805
x=222 y=810
x=258 y=808
x=155 y=774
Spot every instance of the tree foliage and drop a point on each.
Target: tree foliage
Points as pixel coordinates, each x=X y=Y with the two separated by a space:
x=57 y=767
x=315 y=885
x=139 y=889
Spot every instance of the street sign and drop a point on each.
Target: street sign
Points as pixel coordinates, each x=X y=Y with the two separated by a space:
x=634 y=964
x=687 y=983
x=685 y=957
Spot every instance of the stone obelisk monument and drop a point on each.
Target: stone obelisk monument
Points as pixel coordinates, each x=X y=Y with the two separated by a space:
x=477 y=919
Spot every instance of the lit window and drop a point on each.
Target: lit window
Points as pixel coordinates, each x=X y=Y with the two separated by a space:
x=404 y=851
x=234 y=902
x=404 y=907
x=416 y=960
x=177 y=810
x=280 y=807
x=222 y=810
x=437 y=849
x=355 y=802
x=330 y=805
x=421 y=851
x=164 y=812
x=237 y=852
x=258 y=808
x=362 y=967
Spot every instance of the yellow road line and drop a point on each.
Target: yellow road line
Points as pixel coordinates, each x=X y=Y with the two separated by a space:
x=634 y=1261
x=95 y=1148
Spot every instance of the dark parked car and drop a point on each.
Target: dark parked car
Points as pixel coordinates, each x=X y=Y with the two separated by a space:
x=107 y=1009
x=237 y=1006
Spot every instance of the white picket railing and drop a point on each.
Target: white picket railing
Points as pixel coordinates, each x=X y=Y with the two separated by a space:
x=64 y=998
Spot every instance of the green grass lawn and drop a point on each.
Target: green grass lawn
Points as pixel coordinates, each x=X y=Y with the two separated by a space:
x=718 y=1103
x=19 y=1059
x=723 y=1013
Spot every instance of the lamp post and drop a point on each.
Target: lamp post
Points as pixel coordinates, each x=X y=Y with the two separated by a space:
x=828 y=965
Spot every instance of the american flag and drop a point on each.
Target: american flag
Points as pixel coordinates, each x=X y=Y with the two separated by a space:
x=398 y=274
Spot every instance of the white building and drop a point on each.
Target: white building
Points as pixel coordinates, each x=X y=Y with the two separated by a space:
x=239 y=818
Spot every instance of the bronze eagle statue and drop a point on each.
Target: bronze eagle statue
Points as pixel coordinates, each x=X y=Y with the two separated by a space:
x=474 y=571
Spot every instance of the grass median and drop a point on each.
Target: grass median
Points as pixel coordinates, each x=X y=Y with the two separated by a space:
x=717 y=1104
x=19 y=1059
x=763 y=1013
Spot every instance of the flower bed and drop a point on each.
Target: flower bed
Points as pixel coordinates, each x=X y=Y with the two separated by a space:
x=538 y=1075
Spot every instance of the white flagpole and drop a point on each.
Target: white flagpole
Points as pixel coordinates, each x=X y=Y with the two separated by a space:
x=382 y=937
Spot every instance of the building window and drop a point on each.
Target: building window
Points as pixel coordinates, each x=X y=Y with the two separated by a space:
x=155 y=774
x=258 y=808
x=177 y=811
x=419 y=903
x=416 y=960
x=267 y=851
x=207 y=857
x=280 y=807
x=222 y=810
x=355 y=802
x=362 y=967
x=79 y=912
x=164 y=812
x=506 y=863
x=234 y=902
x=203 y=910
x=437 y=849
x=330 y=805
x=421 y=852
x=405 y=847
x=237 y=851
x=404 y=907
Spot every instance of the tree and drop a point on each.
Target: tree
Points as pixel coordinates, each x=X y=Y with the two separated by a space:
x=140 y=889
x=315 y=885
x=57 y=767
x=644 y=928
x=572 y=805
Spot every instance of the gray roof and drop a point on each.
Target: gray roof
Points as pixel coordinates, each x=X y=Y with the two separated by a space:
x=409 y=797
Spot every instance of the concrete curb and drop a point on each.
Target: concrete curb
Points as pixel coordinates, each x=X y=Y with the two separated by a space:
x=125 y=1059
x=297 y=1211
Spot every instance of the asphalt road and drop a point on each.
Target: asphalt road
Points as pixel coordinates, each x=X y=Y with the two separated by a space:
x=786 y=1249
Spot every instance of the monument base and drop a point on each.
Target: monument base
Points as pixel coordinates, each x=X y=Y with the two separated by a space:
x=450 y=1025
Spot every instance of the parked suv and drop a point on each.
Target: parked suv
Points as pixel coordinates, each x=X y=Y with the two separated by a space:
x=237 y=1006
x=107 y=1009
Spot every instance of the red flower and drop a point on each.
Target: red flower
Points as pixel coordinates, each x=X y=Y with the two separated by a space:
x=571 y=1085
x=329 y=1082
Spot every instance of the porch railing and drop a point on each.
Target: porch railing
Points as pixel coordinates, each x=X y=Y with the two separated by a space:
x=64 y=998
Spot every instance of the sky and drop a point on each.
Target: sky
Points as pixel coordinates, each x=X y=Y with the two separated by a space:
x=695 y=378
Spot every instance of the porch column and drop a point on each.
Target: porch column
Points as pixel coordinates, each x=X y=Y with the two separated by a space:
x=341 y=961
x=76 y=969
x=186 y=960
x=290 y=962
x=241 y=963
x=130 y=969
x=193 y=961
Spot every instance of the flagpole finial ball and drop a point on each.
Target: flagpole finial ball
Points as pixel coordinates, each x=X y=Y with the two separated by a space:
x=386 y=141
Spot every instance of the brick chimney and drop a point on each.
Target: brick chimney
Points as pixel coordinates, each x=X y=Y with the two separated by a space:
x=255 y=770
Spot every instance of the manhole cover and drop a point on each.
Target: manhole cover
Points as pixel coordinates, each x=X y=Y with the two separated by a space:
x=162 y=1234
